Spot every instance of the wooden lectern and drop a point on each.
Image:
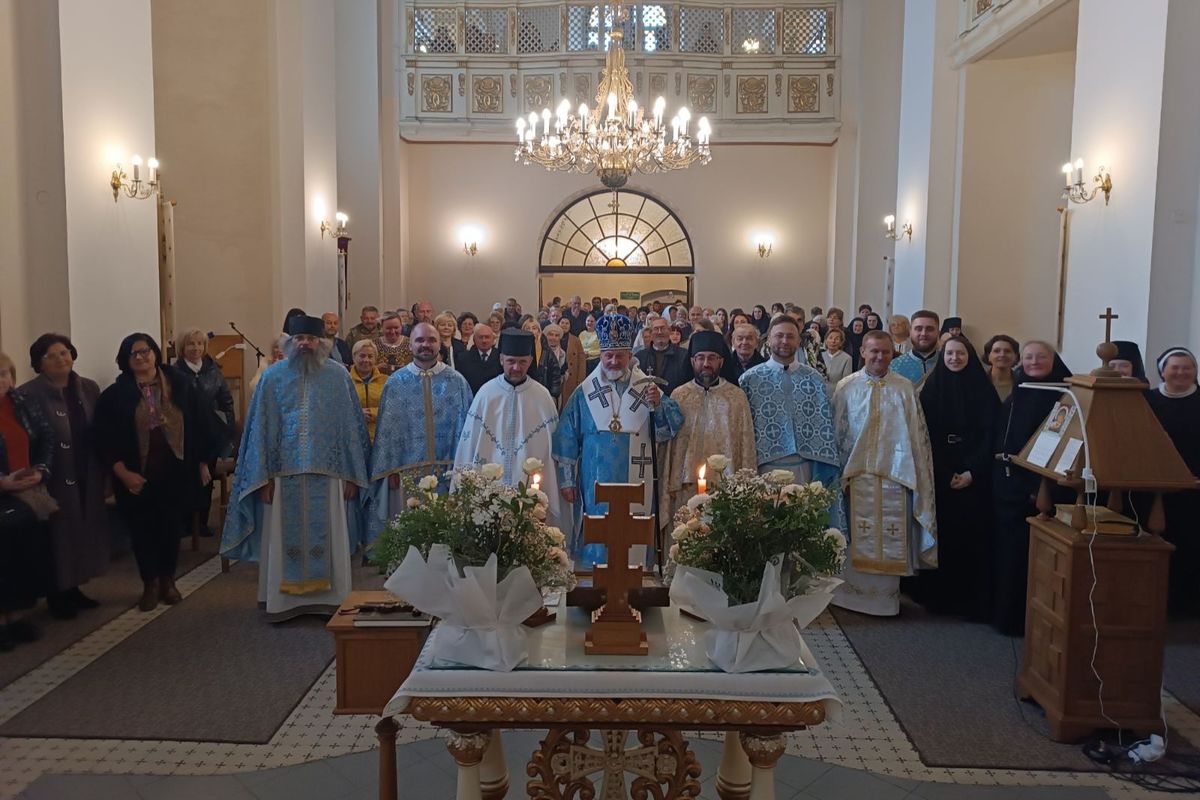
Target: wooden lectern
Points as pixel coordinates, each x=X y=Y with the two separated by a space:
x=1116 y=432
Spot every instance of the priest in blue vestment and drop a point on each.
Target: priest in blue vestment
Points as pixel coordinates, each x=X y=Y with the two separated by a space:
x=792 y=413
x=919 y=361
x=303 y=458
x=421 y=415
x=607 y=432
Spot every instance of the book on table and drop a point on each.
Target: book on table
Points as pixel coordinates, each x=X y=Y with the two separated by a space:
x=1099 y=519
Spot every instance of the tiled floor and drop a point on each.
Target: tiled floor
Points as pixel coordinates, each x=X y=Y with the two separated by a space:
x=315 y=754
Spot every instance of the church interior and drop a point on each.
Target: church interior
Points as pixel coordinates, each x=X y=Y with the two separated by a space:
x=1030 y=167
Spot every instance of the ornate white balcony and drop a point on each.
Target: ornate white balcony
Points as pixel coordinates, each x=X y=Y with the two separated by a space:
x=760 y=73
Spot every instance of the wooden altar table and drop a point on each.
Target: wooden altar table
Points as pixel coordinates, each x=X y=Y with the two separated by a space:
x=559 y=689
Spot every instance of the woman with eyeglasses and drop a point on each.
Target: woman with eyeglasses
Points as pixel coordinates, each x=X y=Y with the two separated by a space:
x=153 y=432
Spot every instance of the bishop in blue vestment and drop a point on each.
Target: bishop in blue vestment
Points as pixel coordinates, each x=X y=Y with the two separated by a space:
x=607 y=432
x=421 y=415
x=303 y=458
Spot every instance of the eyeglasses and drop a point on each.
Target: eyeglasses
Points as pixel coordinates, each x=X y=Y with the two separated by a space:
x=141 y=352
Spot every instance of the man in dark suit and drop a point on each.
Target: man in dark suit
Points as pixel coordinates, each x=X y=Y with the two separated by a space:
x=745 y=349
x=341 y=350
x=577 y=316
x=663 y=359
x=481 y=363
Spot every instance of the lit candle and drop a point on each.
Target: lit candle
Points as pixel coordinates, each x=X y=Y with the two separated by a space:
x=137 y=167
x=1079 y=171
x=152 y=163
x=1067 y=174
x=684 y=116
x=520 y=130
x=612 y=105
x=545 y=122
x=632 y=109
x=701 y=484
x=536 y=483
x=659 y=106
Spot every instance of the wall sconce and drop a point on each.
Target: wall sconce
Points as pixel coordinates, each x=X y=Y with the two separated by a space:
x=470 y=240
x=890 y=232
x=765 y=248
x=137 y=188
x=1074 y=191
x=339 y=231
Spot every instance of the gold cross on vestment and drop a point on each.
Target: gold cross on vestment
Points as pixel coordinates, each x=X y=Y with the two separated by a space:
x=1108 y=316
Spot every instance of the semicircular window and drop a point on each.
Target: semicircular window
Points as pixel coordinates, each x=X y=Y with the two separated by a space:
x=615 y=230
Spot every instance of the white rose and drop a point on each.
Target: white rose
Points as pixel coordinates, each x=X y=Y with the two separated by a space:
x=543 y=498
x=698 y=501
x=680 y=533
x=492 y=472
x=838 y=539
x=790 y=490
x=428 y=483
x=673 y=553
x=413 y=503
x=532 y=465
x=539 y=512
x=816 y=486
x=717 y=463
x=555 y=534
x=693 y=525
x=559 y=555
x=780 y=476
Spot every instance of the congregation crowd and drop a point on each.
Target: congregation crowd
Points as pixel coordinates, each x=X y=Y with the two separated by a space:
x=826 y=395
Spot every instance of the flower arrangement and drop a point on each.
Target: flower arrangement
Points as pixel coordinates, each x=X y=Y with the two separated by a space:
x=480 y=516
x=746 y=521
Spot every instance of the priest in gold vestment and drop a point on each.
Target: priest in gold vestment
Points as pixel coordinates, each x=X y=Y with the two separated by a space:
x=888 y=476
x=716 y=420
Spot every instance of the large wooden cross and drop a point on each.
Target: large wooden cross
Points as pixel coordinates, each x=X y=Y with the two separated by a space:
x=617 y=627
x=1108 y=316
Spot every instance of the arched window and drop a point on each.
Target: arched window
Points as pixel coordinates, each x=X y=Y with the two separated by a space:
x=623 y=229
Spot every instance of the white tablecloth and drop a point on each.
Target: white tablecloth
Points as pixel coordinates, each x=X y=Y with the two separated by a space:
x=675 y=667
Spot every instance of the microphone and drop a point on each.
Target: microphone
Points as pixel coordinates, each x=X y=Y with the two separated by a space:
x=238 y=346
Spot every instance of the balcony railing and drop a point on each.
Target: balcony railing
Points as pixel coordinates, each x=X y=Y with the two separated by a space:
x=472 y=68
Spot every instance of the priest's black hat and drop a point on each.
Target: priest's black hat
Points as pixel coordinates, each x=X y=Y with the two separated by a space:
x=707 y=342
x=516 y=342
x=304 y=324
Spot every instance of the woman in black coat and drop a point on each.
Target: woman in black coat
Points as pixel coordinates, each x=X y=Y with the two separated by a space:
x=154 y=432
x=26 y=449
x=198 y=368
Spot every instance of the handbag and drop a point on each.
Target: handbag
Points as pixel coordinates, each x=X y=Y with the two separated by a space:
x=39 y=501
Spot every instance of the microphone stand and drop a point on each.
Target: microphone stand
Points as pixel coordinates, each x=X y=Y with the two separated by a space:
x=259 y=353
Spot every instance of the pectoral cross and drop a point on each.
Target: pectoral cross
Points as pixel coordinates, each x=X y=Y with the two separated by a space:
x=1108 y=316
x=617 y=628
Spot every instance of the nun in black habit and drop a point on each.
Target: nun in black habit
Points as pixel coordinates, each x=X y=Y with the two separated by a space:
x=1129 y=360
x=960 y=409
x=1014 y=489
x=1176 y=403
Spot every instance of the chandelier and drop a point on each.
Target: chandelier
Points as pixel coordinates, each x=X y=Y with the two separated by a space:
x=620 y=142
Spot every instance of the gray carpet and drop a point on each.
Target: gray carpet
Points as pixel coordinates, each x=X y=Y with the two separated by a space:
x=117 y=591
x=211 y=669
x=951 y=685
x=1182 y=668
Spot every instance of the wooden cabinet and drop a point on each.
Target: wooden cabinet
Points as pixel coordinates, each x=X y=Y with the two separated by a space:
x=1130 y=599
x=371 y=662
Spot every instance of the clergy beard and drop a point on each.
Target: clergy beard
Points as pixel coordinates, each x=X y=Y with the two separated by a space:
x=308 y=362
x=614 y=375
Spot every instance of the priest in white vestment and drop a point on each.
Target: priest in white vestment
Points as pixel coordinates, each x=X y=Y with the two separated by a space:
x=888 y=476
x=511 y=419
x=303 y=457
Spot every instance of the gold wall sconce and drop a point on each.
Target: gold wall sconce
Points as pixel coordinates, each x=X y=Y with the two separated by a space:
x=136 y=188
x=338 y=232
x=765 y=248
x=1075 y=192
x=890 y=232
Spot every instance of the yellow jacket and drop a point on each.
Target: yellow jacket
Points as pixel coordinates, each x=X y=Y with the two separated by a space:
x=369 y=392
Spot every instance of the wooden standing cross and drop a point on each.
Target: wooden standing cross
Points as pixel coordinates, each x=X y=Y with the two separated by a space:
x=616 y=627
x=1107 y=351
x=1108 y=316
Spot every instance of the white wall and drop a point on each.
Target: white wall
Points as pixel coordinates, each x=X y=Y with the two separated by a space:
x=1017 y=133
x=1118 y=108
x=108 y=108
x=777 y=188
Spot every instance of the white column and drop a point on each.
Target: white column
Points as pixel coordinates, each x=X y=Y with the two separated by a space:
x=34 y=290
x=107 y=113
x=1137 y=112
x=304 y=128
x=929 y=128
x=359 y=173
